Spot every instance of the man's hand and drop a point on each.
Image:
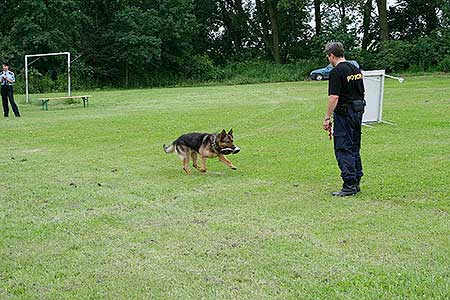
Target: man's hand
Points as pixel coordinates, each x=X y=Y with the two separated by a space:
x=332 y=103
x=326 y=124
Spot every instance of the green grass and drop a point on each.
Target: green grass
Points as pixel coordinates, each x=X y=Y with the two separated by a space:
x=91 y=207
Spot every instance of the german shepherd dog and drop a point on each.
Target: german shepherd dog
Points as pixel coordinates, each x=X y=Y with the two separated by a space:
x=206 y=145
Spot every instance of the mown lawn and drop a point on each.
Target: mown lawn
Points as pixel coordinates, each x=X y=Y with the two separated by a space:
x=91 y=207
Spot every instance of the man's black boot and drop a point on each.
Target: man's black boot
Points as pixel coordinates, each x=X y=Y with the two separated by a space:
x=348 y=189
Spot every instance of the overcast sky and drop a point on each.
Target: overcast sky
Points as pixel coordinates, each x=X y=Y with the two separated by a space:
x=391 y=2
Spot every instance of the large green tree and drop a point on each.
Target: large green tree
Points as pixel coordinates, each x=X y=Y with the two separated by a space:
x=150 y=42
x=414 y=18
x=137 y=43
x=281 y=25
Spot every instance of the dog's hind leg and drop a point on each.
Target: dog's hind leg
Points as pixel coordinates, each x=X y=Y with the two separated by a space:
x=186 y=165
x=226 y=161
x=194 y=157
x=184 y=153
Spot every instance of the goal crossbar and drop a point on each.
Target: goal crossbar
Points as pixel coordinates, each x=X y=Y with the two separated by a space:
x=69 y=93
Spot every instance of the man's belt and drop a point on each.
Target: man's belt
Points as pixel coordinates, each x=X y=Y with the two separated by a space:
x=357 y=104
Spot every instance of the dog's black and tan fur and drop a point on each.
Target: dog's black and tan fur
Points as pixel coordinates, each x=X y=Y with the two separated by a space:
x=206 y=145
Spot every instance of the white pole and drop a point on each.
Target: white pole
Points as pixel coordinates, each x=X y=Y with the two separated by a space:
x=380 y=104
x=68 y=74
x=400 y=79
x=26 y=79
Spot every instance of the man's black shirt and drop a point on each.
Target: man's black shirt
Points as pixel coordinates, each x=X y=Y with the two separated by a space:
x=346 y=81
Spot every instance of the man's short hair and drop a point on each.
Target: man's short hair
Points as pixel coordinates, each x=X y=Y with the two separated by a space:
x=335 y=48
x=6 y=64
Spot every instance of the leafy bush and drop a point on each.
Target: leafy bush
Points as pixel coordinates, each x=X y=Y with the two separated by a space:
x=425 y=53
x=201 y=67
x=265 y=71
x=81 y=78
x=368 y=60
x=348 y=39
x=41 y=83
x=395 y=56
x=444 y=66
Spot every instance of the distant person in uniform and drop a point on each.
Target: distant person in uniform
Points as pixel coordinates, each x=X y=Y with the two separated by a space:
x=7 y=80
x=346 y=104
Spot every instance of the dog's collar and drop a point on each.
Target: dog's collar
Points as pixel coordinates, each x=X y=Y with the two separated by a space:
x=214 y=146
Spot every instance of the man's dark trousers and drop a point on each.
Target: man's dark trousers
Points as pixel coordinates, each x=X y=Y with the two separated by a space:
x=8 y=93
x=347 y=144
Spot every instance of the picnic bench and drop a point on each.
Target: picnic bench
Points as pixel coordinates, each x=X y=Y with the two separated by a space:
x=45 y=101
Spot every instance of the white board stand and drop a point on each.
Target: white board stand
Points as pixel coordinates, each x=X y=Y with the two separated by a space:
x=374 y=86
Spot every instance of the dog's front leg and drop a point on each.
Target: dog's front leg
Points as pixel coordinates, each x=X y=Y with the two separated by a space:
x=203 y=167
x=226 y=161
x=194 y=160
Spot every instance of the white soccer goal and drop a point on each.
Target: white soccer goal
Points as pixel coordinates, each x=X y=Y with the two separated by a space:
x=37 y=56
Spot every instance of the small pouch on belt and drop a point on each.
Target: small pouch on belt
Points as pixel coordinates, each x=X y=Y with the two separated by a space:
x=358 y=105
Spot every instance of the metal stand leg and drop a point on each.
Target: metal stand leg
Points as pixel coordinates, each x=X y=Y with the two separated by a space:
x=389 y=123
x=85 y=102
x=44 y=104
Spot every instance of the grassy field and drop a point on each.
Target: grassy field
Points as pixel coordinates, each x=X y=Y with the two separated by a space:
x=91 y=207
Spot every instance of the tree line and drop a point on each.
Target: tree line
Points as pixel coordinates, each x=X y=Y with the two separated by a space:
x=129 y=43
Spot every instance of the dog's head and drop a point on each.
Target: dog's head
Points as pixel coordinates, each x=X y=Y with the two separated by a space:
x=226 y=142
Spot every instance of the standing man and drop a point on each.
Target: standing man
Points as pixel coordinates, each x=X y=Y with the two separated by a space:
x=7 y=79
x=346 y=104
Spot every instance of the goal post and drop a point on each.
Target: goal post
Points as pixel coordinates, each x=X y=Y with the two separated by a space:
x=69 y=92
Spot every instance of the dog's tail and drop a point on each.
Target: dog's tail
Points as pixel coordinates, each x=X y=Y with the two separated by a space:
x=169 y=149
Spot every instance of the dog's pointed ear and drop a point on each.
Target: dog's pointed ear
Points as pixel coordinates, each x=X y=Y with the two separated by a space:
x=230 y=132
x=223 y=133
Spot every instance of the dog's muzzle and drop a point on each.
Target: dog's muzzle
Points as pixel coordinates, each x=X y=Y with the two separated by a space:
x=233 y=150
